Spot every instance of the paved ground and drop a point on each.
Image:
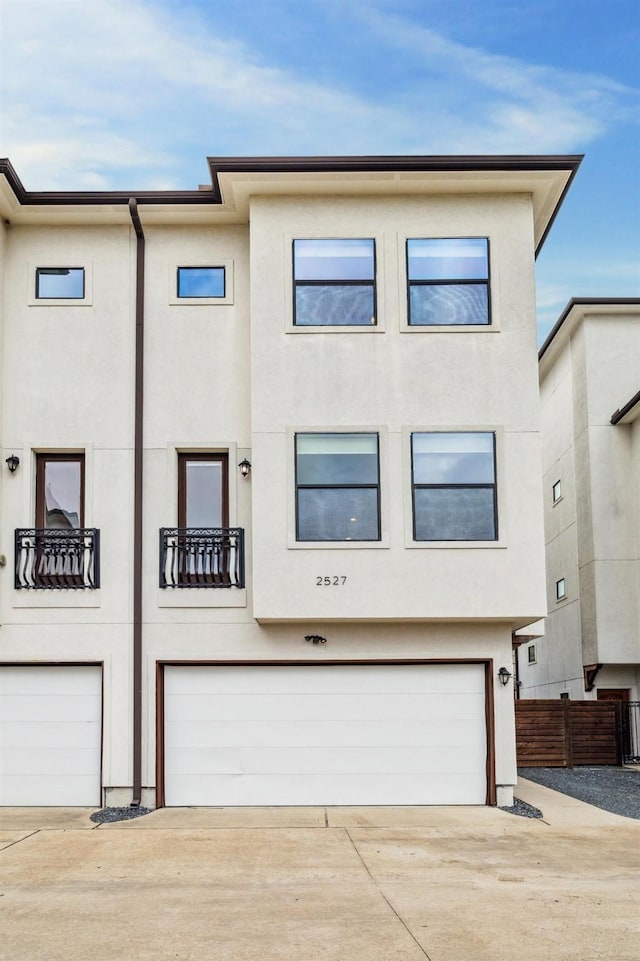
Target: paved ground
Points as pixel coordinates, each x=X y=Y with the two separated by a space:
x=615 y=789
x=315 y=884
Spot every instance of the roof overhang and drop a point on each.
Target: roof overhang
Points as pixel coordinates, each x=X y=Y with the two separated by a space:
x=629 y=412
x=234 y=180
x=574 y=313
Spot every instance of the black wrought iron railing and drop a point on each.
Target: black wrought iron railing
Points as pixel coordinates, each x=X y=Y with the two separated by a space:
x=630 y=732
x=57 y=559
x=201 y=557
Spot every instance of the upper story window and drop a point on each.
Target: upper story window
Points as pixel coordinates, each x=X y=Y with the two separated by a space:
x=334 y=283
x=201 y=282
x=203 y=486
x=531 y=654
x=60 y=283
x=556 y=491
x=561 y=589
x=448 y=282
x=454 y=486
x=337 y=487
x=60 y=491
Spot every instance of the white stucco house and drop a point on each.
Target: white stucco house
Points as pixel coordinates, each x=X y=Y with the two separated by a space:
x=271 y=490
x=589 y=387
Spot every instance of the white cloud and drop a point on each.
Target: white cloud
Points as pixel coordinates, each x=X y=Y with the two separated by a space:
x=111 y=93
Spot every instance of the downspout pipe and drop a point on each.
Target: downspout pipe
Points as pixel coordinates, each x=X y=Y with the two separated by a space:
x=138 y=464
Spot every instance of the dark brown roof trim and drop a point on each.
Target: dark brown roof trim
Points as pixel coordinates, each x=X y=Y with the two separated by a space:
x=219 y=165
x=584 y=302
x=29 y=198
x=623 y=411
x=376 y=164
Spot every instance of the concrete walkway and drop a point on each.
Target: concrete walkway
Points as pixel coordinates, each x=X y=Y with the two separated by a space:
x=322 y=884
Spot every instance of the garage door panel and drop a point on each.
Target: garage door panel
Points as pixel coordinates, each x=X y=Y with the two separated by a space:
x=36 y=679
x=46 y=761
x=70 y=708
x=324 y=760
x=35 y=791
x=410 y=707
x=212 y=790
x=182 y=735
x=340 y=734
x=332 y=679
x=26 y=735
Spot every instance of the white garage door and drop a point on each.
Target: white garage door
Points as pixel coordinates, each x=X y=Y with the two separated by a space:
x=50 y=735
x=343 y=734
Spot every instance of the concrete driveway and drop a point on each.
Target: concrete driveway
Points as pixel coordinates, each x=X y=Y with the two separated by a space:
x=316 y=884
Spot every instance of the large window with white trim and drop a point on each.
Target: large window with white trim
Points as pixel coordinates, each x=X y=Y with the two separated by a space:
x=454 y=486
x=448 y=282
x=334 y=282
x=337 y=487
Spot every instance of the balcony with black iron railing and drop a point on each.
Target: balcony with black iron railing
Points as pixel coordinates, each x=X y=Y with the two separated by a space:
x=201 y=557
x=57 y=559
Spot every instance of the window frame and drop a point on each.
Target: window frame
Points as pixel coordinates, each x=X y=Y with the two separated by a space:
x=457 y=541
x=558 y=484
x=343 y=542
x=561 y=597
x=42 y=459
x=33 y=269
x=184 y=457
x=492 y=324
x=531 y=654
x=195 y=263
x=216 y=297
x=373 y=283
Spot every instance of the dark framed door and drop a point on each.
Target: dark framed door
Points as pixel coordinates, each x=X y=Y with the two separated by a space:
x=60 y=482
x=203 y=518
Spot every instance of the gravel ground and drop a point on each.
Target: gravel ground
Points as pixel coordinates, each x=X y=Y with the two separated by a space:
x=106 y=815
x=523 y=809
x=614 y=789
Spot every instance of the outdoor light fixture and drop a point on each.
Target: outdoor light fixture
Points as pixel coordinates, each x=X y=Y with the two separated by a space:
x=12 y=463
x=504 y=675
x=315 y=638
x=245 y=467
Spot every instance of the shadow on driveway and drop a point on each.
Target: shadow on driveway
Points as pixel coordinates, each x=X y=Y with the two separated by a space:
x=613 y=789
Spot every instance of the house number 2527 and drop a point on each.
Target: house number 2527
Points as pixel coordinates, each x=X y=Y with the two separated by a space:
x=336 y=580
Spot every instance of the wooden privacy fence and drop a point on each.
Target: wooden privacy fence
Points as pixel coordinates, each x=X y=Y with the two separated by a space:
x=565 y=733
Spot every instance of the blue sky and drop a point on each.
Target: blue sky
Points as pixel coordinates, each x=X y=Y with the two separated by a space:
x=134 y=94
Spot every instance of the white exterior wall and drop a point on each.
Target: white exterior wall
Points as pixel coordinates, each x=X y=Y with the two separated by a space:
x=592 y=533
x=393 y=381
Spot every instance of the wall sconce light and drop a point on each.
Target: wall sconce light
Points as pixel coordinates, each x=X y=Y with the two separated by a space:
x=315 y=638
x=504 y=675
x=12 y=463
x=245 y=467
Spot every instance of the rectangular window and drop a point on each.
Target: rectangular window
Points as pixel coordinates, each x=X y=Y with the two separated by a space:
x=448 y=282
x=531 y=654
x=561 y=589
x=557 y=491
x=337 y=487
x=60 y=491
x=454 y=486
x=564 y=696
x=60 y=283
x=202 y=491
x=201 y=282
x=334 y=283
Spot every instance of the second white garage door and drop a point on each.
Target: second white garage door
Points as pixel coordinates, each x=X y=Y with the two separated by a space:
x=328 y=734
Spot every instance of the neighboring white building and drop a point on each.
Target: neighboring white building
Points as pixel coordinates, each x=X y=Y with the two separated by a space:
x=357 y=337
x=589 y=386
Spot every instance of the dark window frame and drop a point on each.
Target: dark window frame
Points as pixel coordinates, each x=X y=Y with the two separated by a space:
x=531 y=654
x=221 y=296
x=557 y=485
x=49 y=271
x=561 y=596
x=335 y=283
x=448 y=282
x=376 y=487
x=42 y=459
x=184 y=457
x=421 y=486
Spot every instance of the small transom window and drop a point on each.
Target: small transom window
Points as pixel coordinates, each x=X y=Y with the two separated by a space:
x=448 y=282
x=60 y=283
x=201 y=282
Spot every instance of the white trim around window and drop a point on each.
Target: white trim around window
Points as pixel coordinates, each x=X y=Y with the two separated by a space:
x=289 y=286
x=500 y=482
x=383 y=485
x=64 y=263
x=172 y=273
